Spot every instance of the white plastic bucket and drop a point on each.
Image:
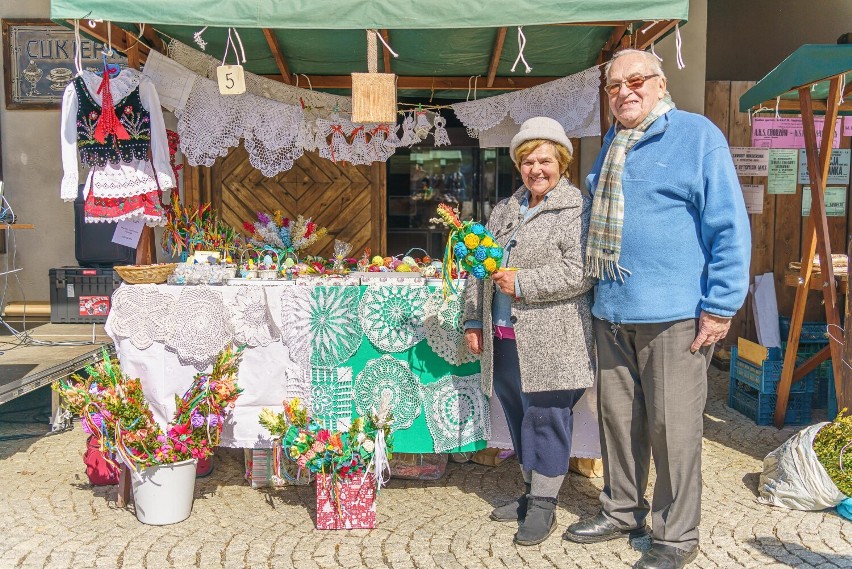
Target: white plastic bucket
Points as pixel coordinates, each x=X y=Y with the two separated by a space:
x=163 y=494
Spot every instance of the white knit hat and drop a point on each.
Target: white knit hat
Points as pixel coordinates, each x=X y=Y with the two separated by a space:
x=540 y=128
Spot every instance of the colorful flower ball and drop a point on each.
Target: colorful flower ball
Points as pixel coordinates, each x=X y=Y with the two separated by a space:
x=478 y=228
x=460 y=250
x=479 y=271
x=472 y=241
x=480 y=253
x=490 y=265
x=487 y=241
x=495 y=253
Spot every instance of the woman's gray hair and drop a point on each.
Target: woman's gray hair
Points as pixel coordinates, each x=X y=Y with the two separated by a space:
x=651 y=61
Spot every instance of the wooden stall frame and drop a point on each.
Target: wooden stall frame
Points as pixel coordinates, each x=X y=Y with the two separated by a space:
x=816 y=242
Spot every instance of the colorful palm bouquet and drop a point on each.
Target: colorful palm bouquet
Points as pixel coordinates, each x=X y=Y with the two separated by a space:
x=197 y=228
x=282 y=233
x=365 y=447
x=470 y=246
x=113 y=408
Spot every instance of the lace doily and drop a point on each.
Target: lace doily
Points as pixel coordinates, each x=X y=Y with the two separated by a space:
x=172 y=80
x=320 y=324
x=386 y=375
x=456 y=411
x=392 y=316
x=250 y=318
x=205 y=65
x=444 y=329
x=211 y=124
x=199 y=326
x=571 y=100
x=140 y=312
x=331 y=396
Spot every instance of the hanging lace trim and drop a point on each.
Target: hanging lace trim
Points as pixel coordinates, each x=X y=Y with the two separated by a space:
x=457 y=412
x=393 y=378
x=444 y=330
x=571 y=100
x=331 y=396
x=127 y=180
x=320 y=324
x=250 y=318
x=211 y=124
x=205 y=65
x=392 y=316
x=140 y=313
x=199 y=326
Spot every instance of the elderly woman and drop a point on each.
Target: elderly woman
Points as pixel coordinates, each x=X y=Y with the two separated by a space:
x=537 y=351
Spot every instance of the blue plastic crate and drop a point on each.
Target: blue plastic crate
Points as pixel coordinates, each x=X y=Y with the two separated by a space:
x=765 y=377
x=812 y=332
x=760 y=407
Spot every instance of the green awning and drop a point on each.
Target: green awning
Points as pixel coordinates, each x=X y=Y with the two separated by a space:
x=810 y=64
x=365 y=14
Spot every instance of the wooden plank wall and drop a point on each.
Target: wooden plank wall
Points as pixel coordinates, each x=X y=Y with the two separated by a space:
x=777 y=233
x=349 y=200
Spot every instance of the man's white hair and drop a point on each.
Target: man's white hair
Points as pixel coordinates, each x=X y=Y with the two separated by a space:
x=651 y=61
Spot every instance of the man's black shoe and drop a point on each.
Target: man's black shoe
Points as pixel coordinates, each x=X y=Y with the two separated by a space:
x=599 y=528
x=661 y=556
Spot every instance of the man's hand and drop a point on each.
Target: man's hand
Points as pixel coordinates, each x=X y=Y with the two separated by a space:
x=711 y=329
x=473 y=337
x=505 y=281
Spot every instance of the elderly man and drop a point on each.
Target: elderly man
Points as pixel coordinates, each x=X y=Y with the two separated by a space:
x=669 y=242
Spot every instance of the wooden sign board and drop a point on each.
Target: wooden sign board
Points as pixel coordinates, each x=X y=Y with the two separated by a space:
x=38 y=62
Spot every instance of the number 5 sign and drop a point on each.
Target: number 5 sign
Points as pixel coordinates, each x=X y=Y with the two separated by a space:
x=232 y=80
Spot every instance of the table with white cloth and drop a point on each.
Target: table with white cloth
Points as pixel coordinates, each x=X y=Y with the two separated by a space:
x=338 y=348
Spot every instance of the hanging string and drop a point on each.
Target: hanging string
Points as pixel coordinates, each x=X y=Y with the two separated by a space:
x=196 y=37
x=230 y=42
x=777 y=106
x=109 y=52
x=384 y=43
x=522 y=42
x=678 y=44
x=654 y=53
x=842 y=87
x=78 y=50
x=138 y=37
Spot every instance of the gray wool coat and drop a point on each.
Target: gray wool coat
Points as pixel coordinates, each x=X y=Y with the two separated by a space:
x=553 y=319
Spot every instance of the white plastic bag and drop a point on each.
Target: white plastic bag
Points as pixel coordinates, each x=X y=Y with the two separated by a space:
x=794 y=478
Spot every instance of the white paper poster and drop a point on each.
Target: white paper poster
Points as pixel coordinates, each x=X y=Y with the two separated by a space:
x=838 y=168
x=127 y=232
x=750 y=161
x=753 y=196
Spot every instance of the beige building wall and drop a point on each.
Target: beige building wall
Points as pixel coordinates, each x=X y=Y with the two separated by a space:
x=32 y=172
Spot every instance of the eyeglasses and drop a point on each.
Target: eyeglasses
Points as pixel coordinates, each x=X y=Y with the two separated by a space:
x=633 y=83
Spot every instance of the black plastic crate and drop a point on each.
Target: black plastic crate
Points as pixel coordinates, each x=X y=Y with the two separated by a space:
x=93 y=244
x=81 y=295
x=760 y=407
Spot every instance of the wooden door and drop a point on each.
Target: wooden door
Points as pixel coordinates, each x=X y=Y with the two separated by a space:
x=349 y=200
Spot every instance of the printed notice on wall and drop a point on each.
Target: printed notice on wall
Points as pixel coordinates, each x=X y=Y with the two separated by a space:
x=768 y=132
x=753 y=196
x=127 y=232
x=835 y=201
x=750 y=161
x=847 y=126
x=783 y=166
x=838 y=168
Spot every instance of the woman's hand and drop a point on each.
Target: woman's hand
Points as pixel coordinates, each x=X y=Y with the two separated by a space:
x=474 y=340
x=505 y=281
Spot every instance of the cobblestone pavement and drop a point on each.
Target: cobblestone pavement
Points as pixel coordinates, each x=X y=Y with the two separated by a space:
x=52 y=517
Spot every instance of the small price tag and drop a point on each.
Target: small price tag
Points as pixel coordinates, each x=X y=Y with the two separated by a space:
x=232 y=80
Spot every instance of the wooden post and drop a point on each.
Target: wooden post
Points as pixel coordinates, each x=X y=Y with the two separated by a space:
x=816 y=240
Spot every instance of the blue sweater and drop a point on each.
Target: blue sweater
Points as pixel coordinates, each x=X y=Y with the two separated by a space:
x=686 y=238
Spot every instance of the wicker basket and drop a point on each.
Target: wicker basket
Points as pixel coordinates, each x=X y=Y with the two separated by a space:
x=145 y=274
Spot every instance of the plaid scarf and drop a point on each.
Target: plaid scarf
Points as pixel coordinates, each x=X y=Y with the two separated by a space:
x=604 y=243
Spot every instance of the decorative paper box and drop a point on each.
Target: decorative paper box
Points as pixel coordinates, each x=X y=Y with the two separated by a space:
x=350 y=503
x=260 y=470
